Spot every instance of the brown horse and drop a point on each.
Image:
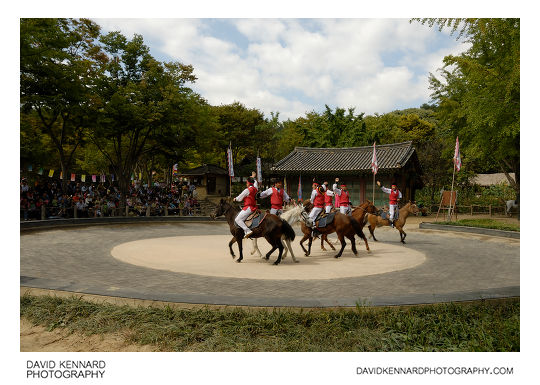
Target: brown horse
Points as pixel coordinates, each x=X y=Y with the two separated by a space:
x=343 y=225
x=376 y=221
x=271 y=228
x=358 y=213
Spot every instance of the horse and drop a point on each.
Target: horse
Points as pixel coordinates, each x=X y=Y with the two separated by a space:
x=271 y=228
x=358 y=213
x=291 y=217
x=343 y=225
x=376 y=221
x=511 y=206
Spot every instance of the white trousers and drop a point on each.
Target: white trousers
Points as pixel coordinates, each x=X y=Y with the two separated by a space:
x=345 y=210
x=277 y=212
x=313 y=214
x=241 y=217
x=392 y=210
x=327 y=209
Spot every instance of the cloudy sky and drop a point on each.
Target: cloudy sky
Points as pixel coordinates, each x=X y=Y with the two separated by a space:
x=294 y=66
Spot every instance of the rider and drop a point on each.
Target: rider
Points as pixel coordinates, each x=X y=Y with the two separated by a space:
x=317 y=199
x=395 y=196
x=344 y=199
x=277 y=195
x=328 y=198
x=250 y=203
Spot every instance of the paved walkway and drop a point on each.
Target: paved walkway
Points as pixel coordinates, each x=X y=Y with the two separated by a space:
x=456 y=267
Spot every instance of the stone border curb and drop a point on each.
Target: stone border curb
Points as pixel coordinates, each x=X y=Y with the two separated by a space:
x=467 y=229
x=72 y=222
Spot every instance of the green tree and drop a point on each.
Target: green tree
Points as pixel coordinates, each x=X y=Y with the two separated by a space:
x=58 y=60
x=479 y=93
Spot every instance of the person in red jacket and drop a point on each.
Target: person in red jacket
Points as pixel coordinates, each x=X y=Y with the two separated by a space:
x=394 y=197
x=277 y=196
x=250 y=204
x=328 y=198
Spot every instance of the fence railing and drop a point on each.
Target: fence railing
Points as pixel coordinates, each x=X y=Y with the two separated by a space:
x=490 y=210
x=51 y=212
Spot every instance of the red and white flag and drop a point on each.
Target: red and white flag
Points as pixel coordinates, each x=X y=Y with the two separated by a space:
x=457 y=156
x=230 y=161
x=374 y=166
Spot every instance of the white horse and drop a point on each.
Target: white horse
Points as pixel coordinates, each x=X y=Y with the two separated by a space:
x=291 y=216
x=511 y=205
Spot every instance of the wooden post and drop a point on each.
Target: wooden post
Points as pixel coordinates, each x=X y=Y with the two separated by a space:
x=43 y=212
x=127 y=210
x=471 y=210
x=166 y=211
x=74 y=211
x=489 y=210
x=147 y=211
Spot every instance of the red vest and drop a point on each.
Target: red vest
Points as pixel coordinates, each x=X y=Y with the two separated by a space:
x=394 y=195
x=319 y=200
x=344 y=198
x=276 y=200
x=336 y=204
x=249 y=201
x=327 y=199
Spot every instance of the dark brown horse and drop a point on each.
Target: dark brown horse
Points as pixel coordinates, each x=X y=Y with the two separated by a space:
x=343 y=225
x=271 y=228
x=376 y=220
x=358 y=213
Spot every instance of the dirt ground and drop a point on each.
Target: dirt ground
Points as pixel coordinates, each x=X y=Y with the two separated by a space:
x=38 y=339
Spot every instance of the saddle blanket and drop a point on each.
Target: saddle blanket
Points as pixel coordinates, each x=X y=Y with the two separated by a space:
x=254 y=219
x=324 y=220
x=386 y=215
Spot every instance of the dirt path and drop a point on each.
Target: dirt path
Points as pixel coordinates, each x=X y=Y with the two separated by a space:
x=38 y=339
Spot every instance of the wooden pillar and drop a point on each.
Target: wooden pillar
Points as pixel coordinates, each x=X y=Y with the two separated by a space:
x=166 y=211
x=74 y=211
x=43 y=212
x=148 y=211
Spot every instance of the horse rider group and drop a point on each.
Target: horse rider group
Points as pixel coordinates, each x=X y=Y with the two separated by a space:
x=321 y=199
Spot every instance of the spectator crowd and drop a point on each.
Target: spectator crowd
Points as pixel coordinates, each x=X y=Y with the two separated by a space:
x=85 y=200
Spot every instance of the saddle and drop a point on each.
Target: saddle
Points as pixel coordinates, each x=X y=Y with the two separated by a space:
x=324 y=219
x=255 y=219
x=386 y=215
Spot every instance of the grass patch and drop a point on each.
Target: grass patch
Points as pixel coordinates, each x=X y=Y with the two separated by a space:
x=483 y=223
x=474 y=326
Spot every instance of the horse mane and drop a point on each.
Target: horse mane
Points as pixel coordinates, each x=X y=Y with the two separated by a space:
x=289 y=213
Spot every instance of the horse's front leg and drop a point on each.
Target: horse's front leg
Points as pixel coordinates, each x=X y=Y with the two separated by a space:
x=322 y=242
x=402 y=234
x=304 y=238
x=255 y=247
x=372 y=232
x=289 y=247
x=327 y=241
x=230 y=246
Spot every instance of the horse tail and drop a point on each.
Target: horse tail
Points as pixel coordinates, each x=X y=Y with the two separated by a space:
x=287 y=230
x=357 y=228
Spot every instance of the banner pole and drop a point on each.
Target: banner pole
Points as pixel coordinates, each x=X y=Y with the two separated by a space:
x=451 y=195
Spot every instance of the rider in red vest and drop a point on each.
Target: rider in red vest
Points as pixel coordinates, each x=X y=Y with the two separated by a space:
x=250 y=204
x=277 y=196
x=394 y=197
x=344 y=199
x=317 y=199
x=328 y=198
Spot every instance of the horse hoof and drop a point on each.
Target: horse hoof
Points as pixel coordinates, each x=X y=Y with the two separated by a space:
x=337 y=256
x=275 y=263
x=296 y=261
x=238 y=260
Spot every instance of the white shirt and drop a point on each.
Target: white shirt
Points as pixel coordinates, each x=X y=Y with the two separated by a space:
x=337 y=191
x=245 y=193
x=269 y=191
x=389 y=190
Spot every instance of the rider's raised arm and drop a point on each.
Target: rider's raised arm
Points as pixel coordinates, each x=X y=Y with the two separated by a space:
x=266 y=193
x=336 y=190
x=386 y=189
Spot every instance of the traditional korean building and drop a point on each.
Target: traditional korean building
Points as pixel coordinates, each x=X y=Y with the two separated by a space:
x=398 y=163
x=210 y=180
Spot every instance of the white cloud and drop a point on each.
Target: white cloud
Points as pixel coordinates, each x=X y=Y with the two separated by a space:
x=294 y=66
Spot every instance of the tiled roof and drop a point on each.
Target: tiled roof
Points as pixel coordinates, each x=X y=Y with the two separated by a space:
x=491 y=179
x=205 y=169
x=305 y=159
